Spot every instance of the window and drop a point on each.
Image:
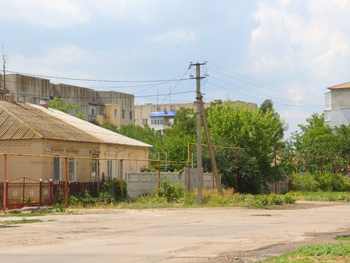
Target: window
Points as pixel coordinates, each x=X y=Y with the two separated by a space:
x=56 y=168
x=94 y=168
x=83 y=110
x=156 y=120
x=327 y=115
x=92 y=110
x=123 y=114
x=130 y=115
x=100 y=110
x=115 y=113
x=110 y=169
x=71 y=169
x=144 y=122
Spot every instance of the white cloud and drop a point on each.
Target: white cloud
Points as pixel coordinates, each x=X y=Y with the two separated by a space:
x=175 y=36
x=45 y=13
x=315 y=43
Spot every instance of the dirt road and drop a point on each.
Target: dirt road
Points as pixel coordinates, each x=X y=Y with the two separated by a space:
x=171 y=235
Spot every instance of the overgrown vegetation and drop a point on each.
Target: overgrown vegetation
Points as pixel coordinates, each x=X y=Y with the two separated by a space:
x=112 y=192
x=327 y=182
x=339 y=252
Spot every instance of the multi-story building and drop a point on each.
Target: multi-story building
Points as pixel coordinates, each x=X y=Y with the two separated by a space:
x=159 y=116
x=337 y=106
x=101 y=106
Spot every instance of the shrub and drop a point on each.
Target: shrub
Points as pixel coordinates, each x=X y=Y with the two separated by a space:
x=306 y=182
x=172 y=193
x=288 y=199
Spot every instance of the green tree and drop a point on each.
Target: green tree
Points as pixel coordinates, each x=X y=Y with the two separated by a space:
x=176 y=138
x=261 y=135
x=318 y=141
x=143 y=134
x=267 y=105
x=65 y=106
x=60 y=104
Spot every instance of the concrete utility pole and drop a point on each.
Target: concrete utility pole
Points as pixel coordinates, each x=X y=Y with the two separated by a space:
x=198 y=129
x=201 y=115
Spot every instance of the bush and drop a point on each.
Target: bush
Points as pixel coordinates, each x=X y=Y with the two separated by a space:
x=331 y=182
x=116 y=188
x=173 y=193
x=306 y=182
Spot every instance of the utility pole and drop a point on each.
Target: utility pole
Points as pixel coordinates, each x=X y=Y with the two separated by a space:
x=3 y=63
x=198 y=129
x=201 y=115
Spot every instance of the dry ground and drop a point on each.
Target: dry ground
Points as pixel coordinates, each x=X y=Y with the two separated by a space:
x=172 y=235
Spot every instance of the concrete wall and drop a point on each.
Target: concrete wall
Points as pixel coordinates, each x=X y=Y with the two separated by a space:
x=33 y=90
x=142 y=183
x=338 y=112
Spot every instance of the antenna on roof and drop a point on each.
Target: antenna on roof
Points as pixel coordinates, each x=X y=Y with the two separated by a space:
x=3 y=64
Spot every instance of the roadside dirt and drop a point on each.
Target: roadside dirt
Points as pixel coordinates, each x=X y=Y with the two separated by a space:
x=173 y=235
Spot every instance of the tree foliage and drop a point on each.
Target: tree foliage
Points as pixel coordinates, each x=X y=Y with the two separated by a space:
x=65 y=106
x=260 y=135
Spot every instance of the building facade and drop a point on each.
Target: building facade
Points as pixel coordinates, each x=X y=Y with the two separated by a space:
x=159 y=116
x=101 y=106
x=337 y=105
x=45 y=143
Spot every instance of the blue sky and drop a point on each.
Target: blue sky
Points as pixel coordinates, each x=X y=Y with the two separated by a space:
x=289 y=51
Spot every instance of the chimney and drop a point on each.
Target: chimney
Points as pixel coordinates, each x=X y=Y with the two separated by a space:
x=43 y=103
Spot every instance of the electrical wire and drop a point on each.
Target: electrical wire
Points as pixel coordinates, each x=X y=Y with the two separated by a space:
x=98 y=80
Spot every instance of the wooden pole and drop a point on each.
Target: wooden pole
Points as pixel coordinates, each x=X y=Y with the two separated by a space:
x=211 y=150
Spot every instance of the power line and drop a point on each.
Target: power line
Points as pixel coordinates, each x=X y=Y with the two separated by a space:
x=274 y=89
x=99 y=80
x=278 y=88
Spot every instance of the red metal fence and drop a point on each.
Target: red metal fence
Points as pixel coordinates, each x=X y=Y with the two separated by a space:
x=27 y=192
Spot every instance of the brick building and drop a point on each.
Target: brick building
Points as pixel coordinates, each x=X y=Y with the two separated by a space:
x=43 y=139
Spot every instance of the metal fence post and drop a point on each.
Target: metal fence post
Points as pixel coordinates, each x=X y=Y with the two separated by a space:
x=5 y=182
x=158 y=174
x=41 y=192
x=66 y=181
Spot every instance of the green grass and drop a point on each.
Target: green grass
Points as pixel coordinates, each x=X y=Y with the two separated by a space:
x=343 y=238
x=339 y=252
x=321 y=196
x=21 y=221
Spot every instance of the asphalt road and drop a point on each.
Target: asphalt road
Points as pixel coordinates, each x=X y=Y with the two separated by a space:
x=171 y=235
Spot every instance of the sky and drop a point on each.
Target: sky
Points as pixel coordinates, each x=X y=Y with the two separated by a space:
x=288 y=51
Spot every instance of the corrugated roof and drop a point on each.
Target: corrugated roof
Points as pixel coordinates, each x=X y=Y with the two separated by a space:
x=163 y=114
x=101 y=134
x=22 y=121
x=340 y=86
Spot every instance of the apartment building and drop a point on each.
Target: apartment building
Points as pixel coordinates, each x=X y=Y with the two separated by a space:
x=159 y=116
x=337 y=105
x=102 y=106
